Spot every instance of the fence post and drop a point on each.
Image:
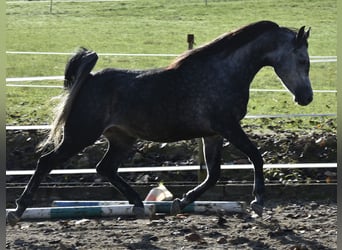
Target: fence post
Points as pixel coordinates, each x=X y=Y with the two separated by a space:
x=202 y=172
x=191 y=41
x=201 y=175
x=50 y=6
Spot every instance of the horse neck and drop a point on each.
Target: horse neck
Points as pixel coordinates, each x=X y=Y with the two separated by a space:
x=246 y=61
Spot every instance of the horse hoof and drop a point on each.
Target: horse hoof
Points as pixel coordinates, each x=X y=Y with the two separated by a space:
x=139 y=212
x=12 y=218
x=257 y=208
x=176 y=207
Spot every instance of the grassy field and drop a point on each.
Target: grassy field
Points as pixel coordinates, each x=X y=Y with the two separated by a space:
x=149 y=26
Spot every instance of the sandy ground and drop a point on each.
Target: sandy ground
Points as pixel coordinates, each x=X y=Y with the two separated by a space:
x=291 y=226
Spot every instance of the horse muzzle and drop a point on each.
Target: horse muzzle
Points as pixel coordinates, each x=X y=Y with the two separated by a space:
x=304 y=98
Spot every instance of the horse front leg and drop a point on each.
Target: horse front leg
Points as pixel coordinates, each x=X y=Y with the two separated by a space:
x=212 y=148
x=240 y=140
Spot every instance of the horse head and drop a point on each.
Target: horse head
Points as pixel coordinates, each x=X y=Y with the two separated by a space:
x=292 y=65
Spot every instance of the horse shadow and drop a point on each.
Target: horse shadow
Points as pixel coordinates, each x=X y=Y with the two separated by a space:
x=145 y=243
x=286 y=237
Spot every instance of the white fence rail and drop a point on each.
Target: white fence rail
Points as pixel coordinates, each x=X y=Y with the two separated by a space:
x=177 y=168
x=61 y=77
x=313 y=59
x=47 y=127
x=12 y=82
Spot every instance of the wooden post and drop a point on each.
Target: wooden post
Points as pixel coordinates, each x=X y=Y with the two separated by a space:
x=191 y=41
x=202 y=173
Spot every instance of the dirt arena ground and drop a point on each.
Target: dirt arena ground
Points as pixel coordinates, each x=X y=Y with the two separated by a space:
x=290 y=226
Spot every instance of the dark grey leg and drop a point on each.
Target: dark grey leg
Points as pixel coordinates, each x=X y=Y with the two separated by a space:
x=45 y=164
x=240 y=140
x=212 y=154
x=119 y=146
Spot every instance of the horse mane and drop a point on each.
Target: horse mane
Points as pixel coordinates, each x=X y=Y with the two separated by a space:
x=229 y=42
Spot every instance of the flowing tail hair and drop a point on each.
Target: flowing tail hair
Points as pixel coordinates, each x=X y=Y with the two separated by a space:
x=77 y=71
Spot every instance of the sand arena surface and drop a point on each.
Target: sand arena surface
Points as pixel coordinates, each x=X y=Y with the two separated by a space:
x=287 y=225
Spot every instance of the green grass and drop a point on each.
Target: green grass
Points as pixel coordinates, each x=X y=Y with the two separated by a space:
x=30 y=106
x=148 y=26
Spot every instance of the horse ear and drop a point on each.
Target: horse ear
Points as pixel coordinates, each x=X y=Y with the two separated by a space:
x=302 y=36
x=307 y=34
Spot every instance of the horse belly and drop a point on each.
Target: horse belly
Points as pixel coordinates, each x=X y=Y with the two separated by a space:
x=172 y=135
x=164 y=129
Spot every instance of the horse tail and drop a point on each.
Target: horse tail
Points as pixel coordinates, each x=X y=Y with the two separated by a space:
x=77 y=71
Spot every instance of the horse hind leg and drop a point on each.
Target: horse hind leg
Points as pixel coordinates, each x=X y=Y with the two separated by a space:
x=45 y=164
x=119 y=146
x=212 y=156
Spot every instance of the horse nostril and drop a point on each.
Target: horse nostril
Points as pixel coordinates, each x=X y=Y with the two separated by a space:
x=304 y=100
